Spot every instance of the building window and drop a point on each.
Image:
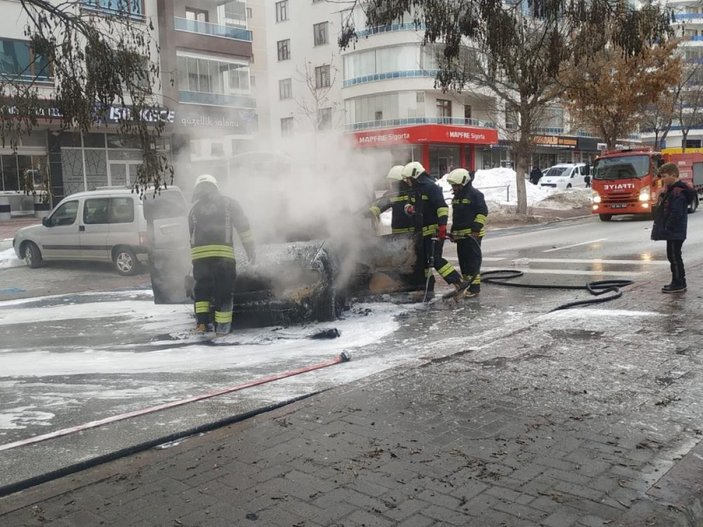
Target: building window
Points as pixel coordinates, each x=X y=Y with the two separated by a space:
x=197 y=74
x=287 y=126
x=467 y=111
x=282 y=11
x=322 y=76
x=324 y=118
x=196 y=14
x=135 y=8
x=320 y=33
x=285 y=89
x=378 y=116
x=250 y=13
x=444 y=108
x=283 y=49
x=17 y=59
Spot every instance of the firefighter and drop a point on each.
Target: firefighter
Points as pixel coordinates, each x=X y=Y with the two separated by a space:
x=395 y=198
x=469 y=213
x=429 y=204
x=211 y=221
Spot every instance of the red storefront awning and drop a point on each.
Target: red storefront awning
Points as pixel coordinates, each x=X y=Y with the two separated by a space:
x=426 y=134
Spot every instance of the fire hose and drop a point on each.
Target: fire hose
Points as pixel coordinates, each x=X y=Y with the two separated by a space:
x=596 y=288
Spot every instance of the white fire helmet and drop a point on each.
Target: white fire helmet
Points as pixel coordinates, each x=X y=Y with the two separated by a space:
x=413 y=170
x=459 y=176
x=395 y=173
x=206 y=178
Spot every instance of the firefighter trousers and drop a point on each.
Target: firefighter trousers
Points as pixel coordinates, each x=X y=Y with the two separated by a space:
x=443 y=267
x=469 y=253
x=213 y=290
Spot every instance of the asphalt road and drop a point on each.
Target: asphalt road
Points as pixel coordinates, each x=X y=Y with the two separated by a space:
x=72 y=357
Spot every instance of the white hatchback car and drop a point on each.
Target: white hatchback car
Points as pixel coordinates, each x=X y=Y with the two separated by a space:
x=564 y=175
x=97 y=225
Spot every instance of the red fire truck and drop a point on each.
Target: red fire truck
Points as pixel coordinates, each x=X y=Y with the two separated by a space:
x=625 y=182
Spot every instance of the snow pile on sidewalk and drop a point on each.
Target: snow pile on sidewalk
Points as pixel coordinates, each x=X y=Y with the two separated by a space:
x=499 y=188
x=9 y=259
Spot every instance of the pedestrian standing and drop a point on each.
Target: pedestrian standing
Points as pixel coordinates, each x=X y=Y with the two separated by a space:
x=535 y=175
x=212 y=219
x=469 y=214
x=433 y=210
x=671 y=222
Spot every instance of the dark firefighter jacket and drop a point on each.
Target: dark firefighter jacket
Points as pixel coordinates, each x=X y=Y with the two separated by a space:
x=671 y=214
x=469 y=212
x=431 y=204
x=211 y=220
x=396 y=201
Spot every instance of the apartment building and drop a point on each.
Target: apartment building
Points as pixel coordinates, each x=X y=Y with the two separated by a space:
x=206 y=54
x=379 y=93
x=688 y=21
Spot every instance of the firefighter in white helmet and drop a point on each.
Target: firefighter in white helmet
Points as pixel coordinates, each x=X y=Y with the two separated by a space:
x=395 y=198
x=469 y=213
x=428 y=202
x=212 y=219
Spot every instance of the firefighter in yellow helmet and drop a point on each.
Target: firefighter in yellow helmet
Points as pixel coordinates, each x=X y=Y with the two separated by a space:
x=212 y=219
x=429 y=204
x=469 y=213
x=395 y=198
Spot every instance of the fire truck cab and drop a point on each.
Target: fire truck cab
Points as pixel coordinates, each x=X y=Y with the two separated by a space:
x=625 y=181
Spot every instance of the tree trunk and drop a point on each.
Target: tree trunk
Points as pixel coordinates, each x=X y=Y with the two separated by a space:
x=684 y=138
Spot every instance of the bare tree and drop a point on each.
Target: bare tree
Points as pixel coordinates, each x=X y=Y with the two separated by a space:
x=689 y=103
x=99 y=56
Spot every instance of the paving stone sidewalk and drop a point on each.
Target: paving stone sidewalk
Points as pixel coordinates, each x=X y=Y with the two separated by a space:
x=586 y=417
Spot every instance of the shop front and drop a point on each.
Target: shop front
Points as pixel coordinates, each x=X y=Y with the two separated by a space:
x=549 y=150
x=440 y=148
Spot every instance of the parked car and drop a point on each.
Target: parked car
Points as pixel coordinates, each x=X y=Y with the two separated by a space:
x=99 y=225
x=565 y=175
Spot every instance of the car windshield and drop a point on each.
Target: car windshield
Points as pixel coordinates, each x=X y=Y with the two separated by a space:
x=621 y=167
x=559 y=171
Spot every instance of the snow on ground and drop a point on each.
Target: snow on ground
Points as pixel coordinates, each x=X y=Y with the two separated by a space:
x=8 y=258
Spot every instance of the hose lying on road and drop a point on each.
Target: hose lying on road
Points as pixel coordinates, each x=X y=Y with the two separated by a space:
x=596 y=288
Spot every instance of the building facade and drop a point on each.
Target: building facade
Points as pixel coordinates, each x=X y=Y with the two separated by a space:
x=204 y=99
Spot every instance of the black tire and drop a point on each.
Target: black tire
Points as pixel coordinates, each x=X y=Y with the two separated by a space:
x=693 y=206
x=605 y=217
x=32 y=255
x=126 y=263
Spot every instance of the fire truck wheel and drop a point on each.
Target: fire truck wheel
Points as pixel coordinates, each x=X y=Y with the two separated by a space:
x=605 y=217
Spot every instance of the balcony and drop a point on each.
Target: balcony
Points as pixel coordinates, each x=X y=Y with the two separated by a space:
x=214 y=30
x=389 y=123
x=389 y=75
x=217 y=99
x=390 y=28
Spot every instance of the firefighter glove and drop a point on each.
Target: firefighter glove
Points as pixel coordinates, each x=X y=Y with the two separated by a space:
x=442 y=235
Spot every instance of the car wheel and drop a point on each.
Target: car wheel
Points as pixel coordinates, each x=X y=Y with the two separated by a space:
x=126 y=262
x=605 y=217
x=693 y=206
x=32 y=255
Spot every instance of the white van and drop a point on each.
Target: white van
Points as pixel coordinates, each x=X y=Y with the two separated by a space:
x=565 y=175
x=98 y=225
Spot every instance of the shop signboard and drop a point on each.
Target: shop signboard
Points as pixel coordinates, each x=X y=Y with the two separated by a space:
x=430 y=134
x=554 y=141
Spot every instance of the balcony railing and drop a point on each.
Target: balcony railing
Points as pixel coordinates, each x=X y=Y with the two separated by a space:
x=387 y=123
x=389 y=75
x=557 y=130
x=215 y=30
x=687 y=16
x=217 y=99
x=389 y=28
